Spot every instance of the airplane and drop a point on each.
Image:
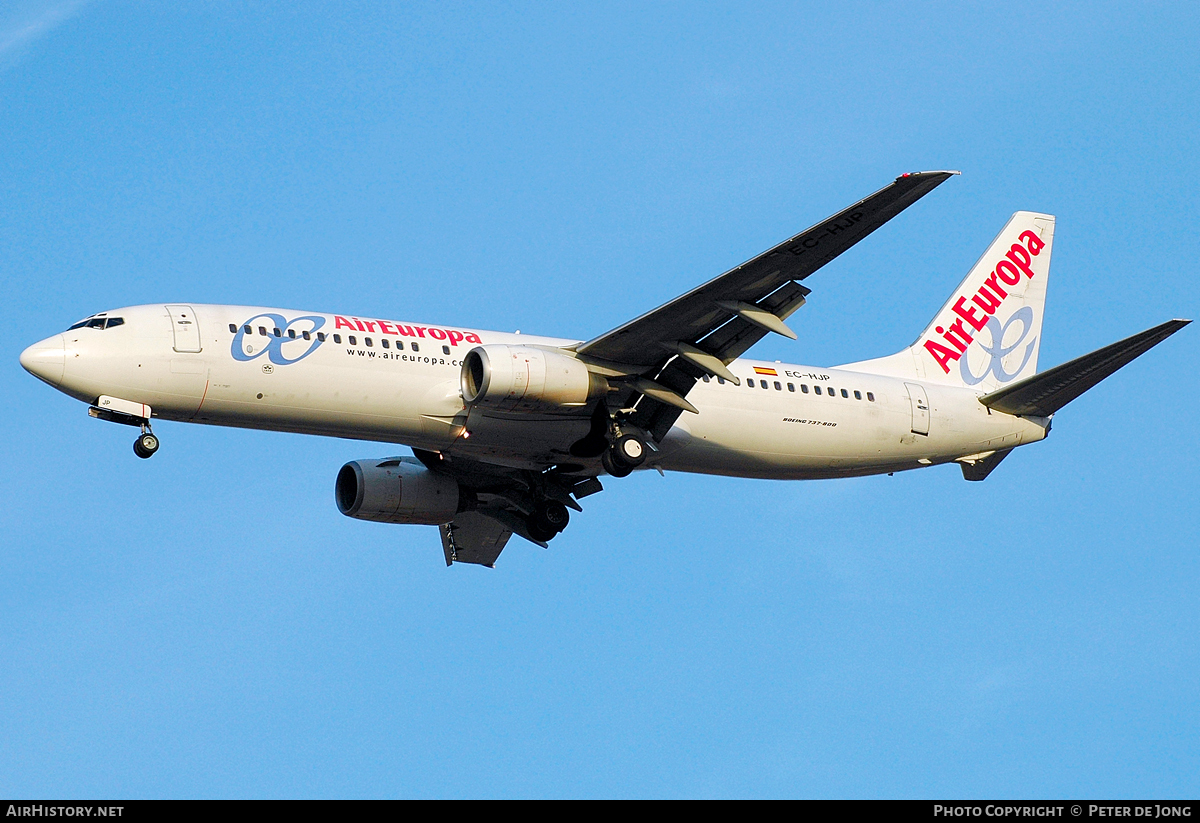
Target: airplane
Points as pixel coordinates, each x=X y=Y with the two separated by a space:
x=510 y=431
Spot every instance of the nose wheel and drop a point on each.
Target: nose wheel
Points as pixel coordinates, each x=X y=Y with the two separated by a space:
x=146 y=445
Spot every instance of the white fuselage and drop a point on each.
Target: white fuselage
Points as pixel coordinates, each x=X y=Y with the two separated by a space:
x=195 y=369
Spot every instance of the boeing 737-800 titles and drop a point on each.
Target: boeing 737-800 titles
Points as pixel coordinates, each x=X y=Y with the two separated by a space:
x=509 y=431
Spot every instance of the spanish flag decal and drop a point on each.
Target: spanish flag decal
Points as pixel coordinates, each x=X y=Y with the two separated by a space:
x=761 y=370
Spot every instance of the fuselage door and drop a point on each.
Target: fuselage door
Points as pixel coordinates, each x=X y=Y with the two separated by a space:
x=920 y=408
x=185 y=327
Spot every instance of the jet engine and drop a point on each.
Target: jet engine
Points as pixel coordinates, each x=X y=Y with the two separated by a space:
x=519 y=378
x=396 y=490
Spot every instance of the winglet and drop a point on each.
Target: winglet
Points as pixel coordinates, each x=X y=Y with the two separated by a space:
x=945 y=173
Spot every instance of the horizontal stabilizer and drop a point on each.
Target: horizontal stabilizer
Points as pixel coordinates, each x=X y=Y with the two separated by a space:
x=979 y=468
x=1044 y=394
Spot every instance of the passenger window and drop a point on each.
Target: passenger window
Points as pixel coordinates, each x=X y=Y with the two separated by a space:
x=367 y=340
x=871 y=397
x=750 y=383
x=232 y=328
x=114 y=321
x=704 y=377
x=277 y=332
x=247 y=330
x=816 y=389
x=400 y=345
x=384 y=342
x=857 y=394
x=306 y=335
x=845 y=394
x=321 y=336
x=721 y=380
x=337 y=338
x=777 y=386
x=804 y=388
x=791 y=387
x=353 y=340
x=416 y=347
x=445 y=349
x=292 y=333
x=262 y=331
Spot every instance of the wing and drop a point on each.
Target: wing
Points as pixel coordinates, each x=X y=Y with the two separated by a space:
x=662 y=353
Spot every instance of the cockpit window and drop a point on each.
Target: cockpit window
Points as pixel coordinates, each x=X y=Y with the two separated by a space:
x=97 y=321
x=89 y=322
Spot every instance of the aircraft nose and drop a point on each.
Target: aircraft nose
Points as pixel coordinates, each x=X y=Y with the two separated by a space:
x=46 y=360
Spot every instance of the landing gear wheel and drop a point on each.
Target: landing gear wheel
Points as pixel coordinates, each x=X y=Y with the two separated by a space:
x=612 y=466
x=630 y=450
x=553 y=515
x=547 y=520
x=538 y=531
x=146 y=445
x=626 y=454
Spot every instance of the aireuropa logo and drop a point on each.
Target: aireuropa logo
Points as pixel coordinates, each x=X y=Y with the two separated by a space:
x=282 y=341
x=998 y=351
x=990 y=294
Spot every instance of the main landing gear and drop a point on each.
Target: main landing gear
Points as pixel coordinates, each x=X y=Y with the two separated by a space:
x=620 y=446
x=627 y=452
x=146 y=444
x=547 y=520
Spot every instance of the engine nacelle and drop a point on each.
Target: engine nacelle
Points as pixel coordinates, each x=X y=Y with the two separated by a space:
x=396 y=490
x=518 y=378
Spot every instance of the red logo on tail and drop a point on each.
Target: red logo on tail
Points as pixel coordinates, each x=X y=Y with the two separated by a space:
x=984 y=303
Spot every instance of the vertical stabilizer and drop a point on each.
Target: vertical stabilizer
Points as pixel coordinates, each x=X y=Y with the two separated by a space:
x=989 y=331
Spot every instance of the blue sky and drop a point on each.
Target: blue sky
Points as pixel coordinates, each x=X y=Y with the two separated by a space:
x=207 y=624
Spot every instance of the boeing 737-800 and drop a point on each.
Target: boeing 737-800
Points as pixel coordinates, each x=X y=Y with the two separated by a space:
x=509 y=431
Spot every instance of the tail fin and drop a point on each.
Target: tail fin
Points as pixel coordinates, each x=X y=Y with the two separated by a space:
x=988 y=333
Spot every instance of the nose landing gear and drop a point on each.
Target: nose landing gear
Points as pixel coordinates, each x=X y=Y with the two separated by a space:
x=127 y=413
